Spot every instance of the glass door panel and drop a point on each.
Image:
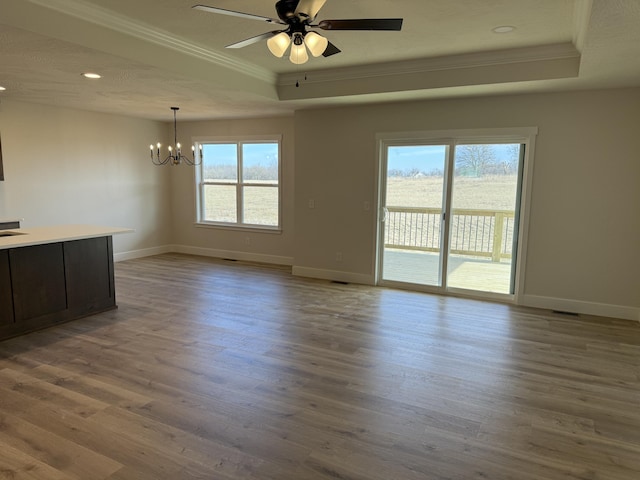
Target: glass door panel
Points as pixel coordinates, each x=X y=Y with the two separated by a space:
x=484 y=202
x=413 y=209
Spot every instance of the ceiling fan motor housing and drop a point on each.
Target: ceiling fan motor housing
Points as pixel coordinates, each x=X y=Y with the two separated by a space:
x=286 y=9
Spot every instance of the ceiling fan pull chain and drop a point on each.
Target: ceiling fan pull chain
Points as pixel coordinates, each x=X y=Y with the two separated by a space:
x=298 y=82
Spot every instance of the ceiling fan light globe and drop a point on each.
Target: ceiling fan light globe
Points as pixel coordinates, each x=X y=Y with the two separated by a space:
x=298 y=54
x=278 y=44
x=316 y=43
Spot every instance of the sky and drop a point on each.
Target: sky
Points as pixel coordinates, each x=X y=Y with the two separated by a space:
x=253 y=154
x=427 y=158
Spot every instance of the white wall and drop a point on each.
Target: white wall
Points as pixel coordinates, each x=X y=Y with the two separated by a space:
x=69 y=166
x=263 y=246
x=584 y=238
x=65 y=166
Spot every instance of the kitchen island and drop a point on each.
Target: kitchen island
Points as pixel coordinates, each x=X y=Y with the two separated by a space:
x=55 y=274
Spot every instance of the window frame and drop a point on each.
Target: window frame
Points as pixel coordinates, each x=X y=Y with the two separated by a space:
x=238 y=183
x=525 y=136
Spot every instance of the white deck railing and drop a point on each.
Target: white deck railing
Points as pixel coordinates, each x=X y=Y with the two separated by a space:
x=480 y=233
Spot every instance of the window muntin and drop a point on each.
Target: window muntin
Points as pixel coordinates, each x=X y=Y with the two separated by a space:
x=239 y=183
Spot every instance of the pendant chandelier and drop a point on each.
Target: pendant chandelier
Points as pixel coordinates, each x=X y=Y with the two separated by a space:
x=175 y=156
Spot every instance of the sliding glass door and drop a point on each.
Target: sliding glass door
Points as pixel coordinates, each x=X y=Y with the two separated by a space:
x=413 y=210
x=450 y=214
x=483 y=229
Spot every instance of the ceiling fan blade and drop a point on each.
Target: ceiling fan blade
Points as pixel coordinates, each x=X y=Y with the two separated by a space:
x=308 y=9
x=330 y=50
x=233 y=13
x=392 y=24
x=252 y=40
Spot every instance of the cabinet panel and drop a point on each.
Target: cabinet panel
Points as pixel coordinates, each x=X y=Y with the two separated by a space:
x=38 y=279
x=88 y=265
x=42 y=285
x=6 y=296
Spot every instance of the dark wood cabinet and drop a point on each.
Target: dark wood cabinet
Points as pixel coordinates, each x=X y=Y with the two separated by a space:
x=41 y=285
x=89 y=274
x=6 y=297
x=38 y=281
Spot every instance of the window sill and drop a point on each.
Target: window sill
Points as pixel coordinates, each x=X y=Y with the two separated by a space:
x=239 y=228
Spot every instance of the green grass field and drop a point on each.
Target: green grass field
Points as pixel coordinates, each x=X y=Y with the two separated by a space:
x=491 y=192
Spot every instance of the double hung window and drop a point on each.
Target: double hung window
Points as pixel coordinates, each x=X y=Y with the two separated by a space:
x=239 y=183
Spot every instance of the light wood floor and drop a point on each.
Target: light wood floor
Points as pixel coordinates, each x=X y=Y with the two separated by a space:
x=220 y=370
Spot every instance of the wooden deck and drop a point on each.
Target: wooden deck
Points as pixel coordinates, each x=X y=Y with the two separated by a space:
x=465 y=272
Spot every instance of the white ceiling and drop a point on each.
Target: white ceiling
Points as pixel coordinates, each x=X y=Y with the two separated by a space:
x=154 y=54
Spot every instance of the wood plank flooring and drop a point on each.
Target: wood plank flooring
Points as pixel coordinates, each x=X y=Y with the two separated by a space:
x=212 y=369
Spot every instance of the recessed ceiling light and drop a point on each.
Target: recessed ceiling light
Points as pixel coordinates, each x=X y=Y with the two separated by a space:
x=504 y=29
x=2 y=89
x=91 y=75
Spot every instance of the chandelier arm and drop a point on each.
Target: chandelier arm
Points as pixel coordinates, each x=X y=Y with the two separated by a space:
x=189 y=161
x=175 y=156
x=158 y=162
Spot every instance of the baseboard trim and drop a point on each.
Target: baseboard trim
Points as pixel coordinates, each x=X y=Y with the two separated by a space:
x=204 y=252
x=548 y=303
x=144 y=252
x=233 y=255
x=334 y=275
x=585 y=308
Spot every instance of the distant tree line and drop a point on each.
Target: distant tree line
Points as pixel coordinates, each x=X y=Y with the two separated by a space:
x=472 y=161
x=479 y=160
x=230 y=172
x=415 y=172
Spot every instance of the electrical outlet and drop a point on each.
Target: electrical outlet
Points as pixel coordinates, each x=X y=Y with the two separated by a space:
x=247 y=241
x=367 y=206
x=312 y=203
x=338 y=256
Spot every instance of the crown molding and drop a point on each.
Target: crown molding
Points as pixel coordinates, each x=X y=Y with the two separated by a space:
x=122 y=24
x=496 y=66
x=450 y=62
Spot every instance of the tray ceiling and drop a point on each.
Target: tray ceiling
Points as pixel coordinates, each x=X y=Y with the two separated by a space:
x=156 y=53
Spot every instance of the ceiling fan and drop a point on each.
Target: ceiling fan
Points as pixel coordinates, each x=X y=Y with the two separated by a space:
x=298 y=16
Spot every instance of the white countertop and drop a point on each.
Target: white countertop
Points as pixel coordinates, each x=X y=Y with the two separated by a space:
x=60 y=233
